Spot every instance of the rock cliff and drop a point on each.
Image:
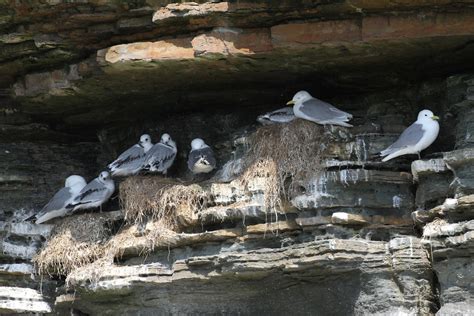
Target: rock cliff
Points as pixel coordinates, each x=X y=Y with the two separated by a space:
x=81 y=80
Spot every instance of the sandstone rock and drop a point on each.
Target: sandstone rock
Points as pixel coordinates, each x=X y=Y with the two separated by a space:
x=349 y=260
x=21 y=300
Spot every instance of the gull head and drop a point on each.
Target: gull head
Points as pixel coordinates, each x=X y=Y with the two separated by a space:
x=300 y=96
x=165 y=138
x=145 y=139
x=197 y=143
x=426 y=115
x=104 y=176
x=75 y=180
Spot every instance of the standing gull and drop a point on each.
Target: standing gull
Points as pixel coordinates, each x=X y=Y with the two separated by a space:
x=161 y=156
x=415 y=138
x=315 y=110
x=130 y=162
x=56 y=207
x=95 y=193
x=201 y=157
x=283 y=115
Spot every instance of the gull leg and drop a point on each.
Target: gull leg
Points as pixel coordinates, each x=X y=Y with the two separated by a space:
x=419 y=156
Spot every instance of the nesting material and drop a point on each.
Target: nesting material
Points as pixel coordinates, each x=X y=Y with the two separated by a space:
x=286 y=155
x=75 y=242
x=168 y=201
x=130 y=238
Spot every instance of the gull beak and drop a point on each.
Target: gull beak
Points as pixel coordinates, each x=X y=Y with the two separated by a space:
x=290 y=102
x=434 y=117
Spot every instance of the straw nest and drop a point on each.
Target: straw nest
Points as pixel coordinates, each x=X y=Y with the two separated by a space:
x=76 y=241
x=168 y=201
x=286 y=155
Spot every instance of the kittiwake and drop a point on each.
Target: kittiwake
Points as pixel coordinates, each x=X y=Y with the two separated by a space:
x=130 y=162
x=201 y=157
x=95 y=193
x=56 y=207
x=161 y=156
x=283 y=115
x=417 y=137
x=315 y=110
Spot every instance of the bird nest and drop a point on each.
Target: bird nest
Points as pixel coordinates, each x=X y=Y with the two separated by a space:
x=168 y=201
x=75 y=242
x=286 y=155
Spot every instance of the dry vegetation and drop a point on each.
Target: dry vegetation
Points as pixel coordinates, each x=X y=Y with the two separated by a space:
x=286 y=155
x=164 y=200
x=76 y=241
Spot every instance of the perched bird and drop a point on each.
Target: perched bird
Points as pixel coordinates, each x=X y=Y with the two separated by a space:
x=201 y=157
x=161 y=156
x=130 y=162
x=415 y=138
x=315 y=110
x=95 y=193
x=283 y=115
x=56 y=207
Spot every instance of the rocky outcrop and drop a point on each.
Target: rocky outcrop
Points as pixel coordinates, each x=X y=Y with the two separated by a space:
x=399 y=272
x=82 y=80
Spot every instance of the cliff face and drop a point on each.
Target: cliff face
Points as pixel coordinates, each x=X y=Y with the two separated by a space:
x=81 y=80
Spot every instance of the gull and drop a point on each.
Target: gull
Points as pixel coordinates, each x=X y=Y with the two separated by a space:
x=201 y=157
x=56 y=207
x=130 y=162
x=317 y=111
x=95 y=193
x=161 y=156
x=417 y=137
x=283 y=115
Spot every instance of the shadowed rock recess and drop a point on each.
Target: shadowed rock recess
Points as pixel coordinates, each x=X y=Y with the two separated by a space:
x=343 y=234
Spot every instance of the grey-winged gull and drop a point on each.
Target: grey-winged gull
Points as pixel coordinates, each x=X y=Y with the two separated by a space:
x=95 y=193
x=56 y=207
x=201 y=157
x=130 y=162
x=315 y=110
x=283 y=115
x=417 y=137
x=161 y=156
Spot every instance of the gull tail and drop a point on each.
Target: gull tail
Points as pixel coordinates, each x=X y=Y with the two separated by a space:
x=344 y=124
x=31 y=218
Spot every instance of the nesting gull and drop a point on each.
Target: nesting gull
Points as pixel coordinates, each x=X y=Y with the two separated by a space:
x=130 y=162
x=56 y=207
x=415 y=138
x=161 y=156
x=95 y=193
x=201 y=157
x=283 y=115
x=315 y=110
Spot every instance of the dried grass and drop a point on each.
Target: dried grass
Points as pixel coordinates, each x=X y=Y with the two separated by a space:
x=75 y=242
x=164 y=200
x=286 y=155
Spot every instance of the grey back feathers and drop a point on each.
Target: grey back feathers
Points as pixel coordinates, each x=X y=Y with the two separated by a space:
x=315 y=110
x=56 y=207
x=161 y=156
x=95 y=193
x=324 y=113
x=130 y=162
x=283 y=115
x=410 y=137
x=201 y=158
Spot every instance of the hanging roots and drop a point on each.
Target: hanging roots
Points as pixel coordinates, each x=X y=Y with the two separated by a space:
x=164 y=200
x=286 y=155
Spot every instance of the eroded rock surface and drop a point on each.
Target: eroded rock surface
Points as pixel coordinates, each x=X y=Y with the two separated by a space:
x=82 y=80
